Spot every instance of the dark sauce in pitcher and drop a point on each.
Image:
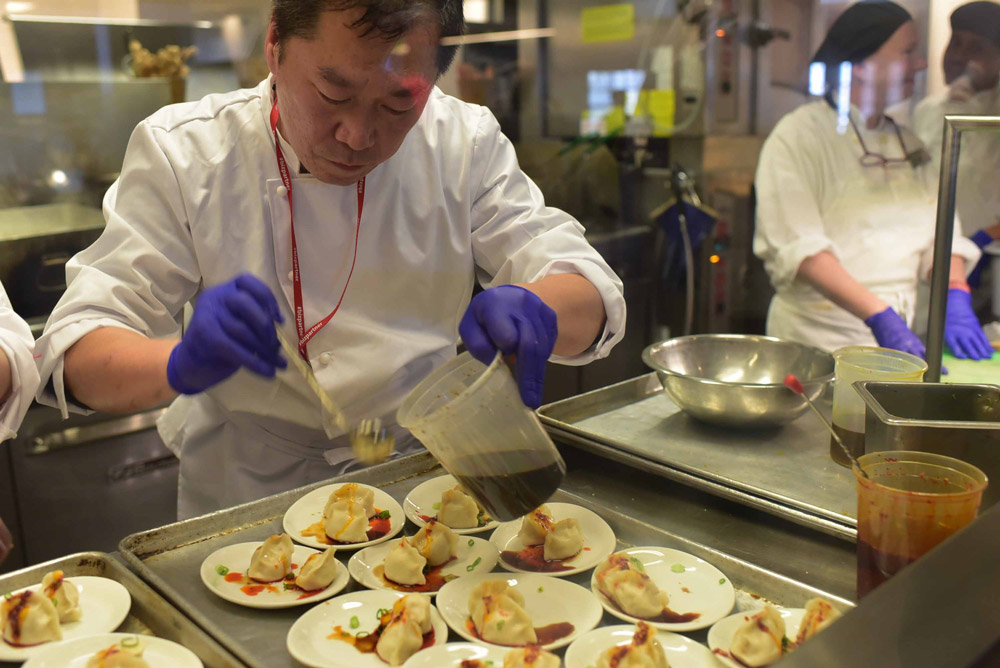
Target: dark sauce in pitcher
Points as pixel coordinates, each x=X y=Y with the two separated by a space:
x=517 y=484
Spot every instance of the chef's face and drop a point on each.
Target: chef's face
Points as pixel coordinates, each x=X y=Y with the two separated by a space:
x=887 y=77
x=969 y=53
x=348 y=99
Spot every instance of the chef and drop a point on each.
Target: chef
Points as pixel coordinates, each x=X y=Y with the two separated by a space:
x=972 y=72
x=350 y=201
x=847 y=201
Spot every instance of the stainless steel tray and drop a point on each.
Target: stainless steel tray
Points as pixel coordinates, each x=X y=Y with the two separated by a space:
x=786 y=471
x=170 y=558
x=150 y=613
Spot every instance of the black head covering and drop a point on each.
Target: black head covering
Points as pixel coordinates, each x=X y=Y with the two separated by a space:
x=859 y=32
x=981 y=18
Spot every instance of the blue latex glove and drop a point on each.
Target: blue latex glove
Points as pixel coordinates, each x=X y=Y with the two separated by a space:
x=962 y=331
x=232 y=327
x=982 y=239
x=891 y=331
x=515 y=322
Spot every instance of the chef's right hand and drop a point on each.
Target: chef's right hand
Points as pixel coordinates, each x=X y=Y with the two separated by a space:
x=891 y=331
x=232 y=327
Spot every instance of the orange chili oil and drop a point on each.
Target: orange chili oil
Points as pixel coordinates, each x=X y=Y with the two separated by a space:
x=435 y=579
x=377 y=527
x=533 y=559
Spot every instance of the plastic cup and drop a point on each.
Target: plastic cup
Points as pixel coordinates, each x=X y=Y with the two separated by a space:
x=912 y=502
x=472 y=419
x=856 y=363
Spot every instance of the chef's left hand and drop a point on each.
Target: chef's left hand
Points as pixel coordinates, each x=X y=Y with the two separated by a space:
x=514 y=321
x=962 y=331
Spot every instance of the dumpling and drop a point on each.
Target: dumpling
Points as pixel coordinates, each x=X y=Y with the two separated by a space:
x=400 y=639
x=64 y=596
x=436 y=542
x=819 y=615
x=631 y=589
x=352 y=491
x=499 y=616
x=319 y=571
x=29 y=618
x=405 y=565
x=272 y=561
x=535 y=526
x=759 y=641
x=643 y=652
x=347 y=522
x=530 y=657
x=126 y=654
x=418 y=607
x=458 y=510
x=493 y=588
x=564 y=540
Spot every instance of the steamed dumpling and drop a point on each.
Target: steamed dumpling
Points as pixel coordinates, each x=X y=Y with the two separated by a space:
x=405 y=565
x=64 y=596
x=29 y=618
x=631 y=589
x=319 y=571
x=126 y=654
x=535 y=527
x=418 y=607
x=458 y=510
x=436 y=542
x=564 y=540
x=400 y=640
x=643 y=652
x=499 y=616
x=493 y=588
x=530 y=657
x=347 y=522
x=819 y=615
x=272 y=561
x=352 y=492
x=759 y=640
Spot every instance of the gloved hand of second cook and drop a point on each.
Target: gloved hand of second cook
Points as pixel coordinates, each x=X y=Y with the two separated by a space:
x=891 y=331
x=232 y=327
x=517 y=322
x=962 y=331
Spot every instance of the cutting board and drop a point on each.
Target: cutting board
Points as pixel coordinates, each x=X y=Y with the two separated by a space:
x=969 y=371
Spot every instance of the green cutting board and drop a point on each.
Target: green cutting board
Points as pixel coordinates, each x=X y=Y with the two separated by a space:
x=970 y=371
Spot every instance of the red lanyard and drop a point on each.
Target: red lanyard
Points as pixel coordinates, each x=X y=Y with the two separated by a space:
x=306 y=335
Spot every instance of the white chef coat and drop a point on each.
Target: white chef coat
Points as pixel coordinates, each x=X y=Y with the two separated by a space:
x=977 y=199
x=18 y=344
x=813 y=195
x=200 y=200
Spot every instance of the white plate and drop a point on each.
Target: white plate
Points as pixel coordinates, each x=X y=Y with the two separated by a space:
x=681 y=652
x=308 y=641
x=104 y=603
x=425 y=499
x=709 y=590
x=159 y=653
x=547 y=600
x=474 y=555
x=236 y=558
x=720 y=636
x=454 y=653
x=308 y=510
x=598 y=539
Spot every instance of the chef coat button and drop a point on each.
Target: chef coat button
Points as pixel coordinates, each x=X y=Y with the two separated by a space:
x=282 y=191
x=291 y=275
x=325 y=358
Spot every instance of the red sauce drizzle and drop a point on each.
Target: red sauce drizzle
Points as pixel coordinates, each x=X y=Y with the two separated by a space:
x=253 y=590
x=668 y=616
x=14 y=617
x=545 y=634
x=435 y=579
x=532 y=559
x=377 y=527
x=234 y=577
x=366 y=644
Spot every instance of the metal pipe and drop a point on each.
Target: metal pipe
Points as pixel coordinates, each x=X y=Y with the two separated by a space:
x=954 y=128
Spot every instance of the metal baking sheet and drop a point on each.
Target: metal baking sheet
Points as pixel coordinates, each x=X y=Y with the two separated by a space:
x=170 y=558
x=785 y=471
x=151 y=614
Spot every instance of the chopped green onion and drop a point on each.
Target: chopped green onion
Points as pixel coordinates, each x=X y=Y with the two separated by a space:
x=222 y=570
x=500 y=625
x=362 y=634
x=638 y=564
x=382 y=612
x=355 y=622
x=55 y=602
x=437 y=506
x=384 y=515
x=289 y=586
x=471 y=567
x=722 y=581
x=8 y=596
x=541 y=589
x=450 y=577
x=471 y=542
x=784 y=644
x=130 y=642
x=677 y=568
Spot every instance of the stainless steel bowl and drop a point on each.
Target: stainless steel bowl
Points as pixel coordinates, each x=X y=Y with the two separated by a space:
x=737 y=380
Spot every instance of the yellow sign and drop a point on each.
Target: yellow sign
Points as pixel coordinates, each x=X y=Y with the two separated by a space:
x=608 y=23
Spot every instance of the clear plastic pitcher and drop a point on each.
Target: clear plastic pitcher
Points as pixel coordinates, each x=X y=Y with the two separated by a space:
x=856 y=363
x=472 y=419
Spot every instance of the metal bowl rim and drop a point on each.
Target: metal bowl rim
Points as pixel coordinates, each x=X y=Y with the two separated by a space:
x=647 y=358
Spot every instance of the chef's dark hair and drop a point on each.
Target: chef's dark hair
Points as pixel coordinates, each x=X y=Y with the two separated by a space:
x=387 y=18
x=857 y=34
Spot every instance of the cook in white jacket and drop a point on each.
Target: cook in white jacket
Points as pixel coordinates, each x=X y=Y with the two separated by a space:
x=847 y=201
x=399 y=197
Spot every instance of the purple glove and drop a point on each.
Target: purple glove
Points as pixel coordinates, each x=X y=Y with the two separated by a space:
x=514 y=321
x=891 y=332
x=232 y=327
x=962 y=331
